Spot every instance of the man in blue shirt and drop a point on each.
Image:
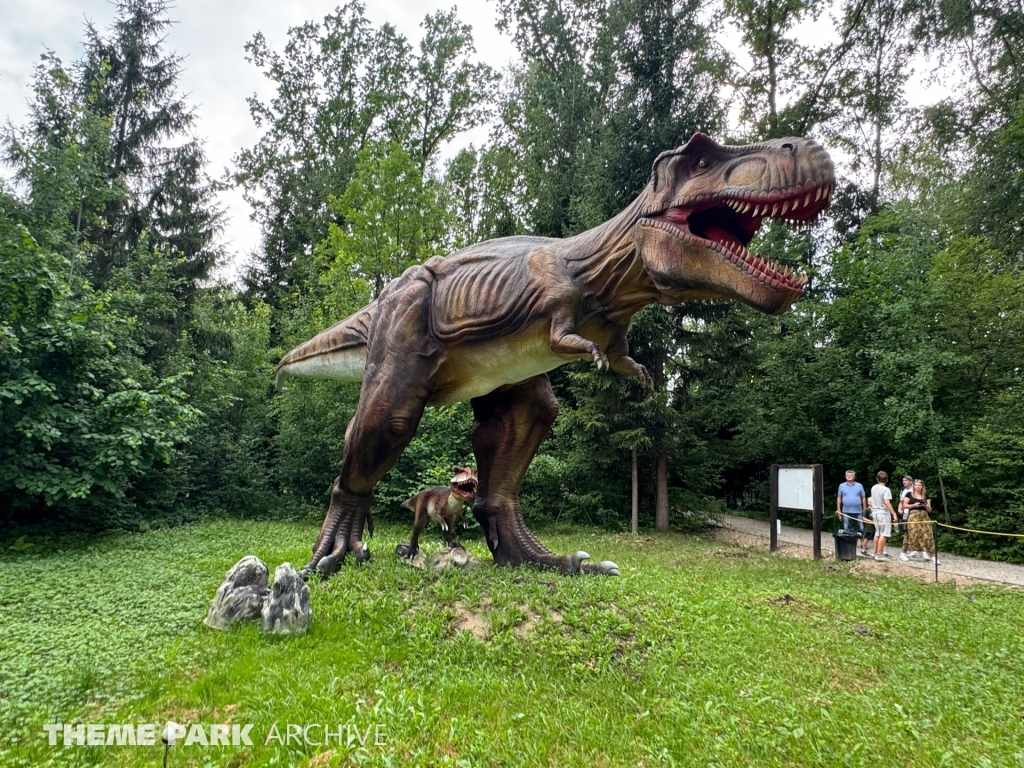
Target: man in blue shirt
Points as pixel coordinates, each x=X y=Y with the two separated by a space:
x=852 y=501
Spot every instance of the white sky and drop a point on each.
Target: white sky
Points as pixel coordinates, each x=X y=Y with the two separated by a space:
x=217 y=79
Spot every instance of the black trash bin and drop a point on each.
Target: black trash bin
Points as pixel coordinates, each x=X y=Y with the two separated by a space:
x=846 y=545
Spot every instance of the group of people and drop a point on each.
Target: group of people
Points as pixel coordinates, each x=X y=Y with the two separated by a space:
x=910 y=516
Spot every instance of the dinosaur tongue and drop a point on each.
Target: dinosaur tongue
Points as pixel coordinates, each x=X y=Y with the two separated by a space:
x=720 y=235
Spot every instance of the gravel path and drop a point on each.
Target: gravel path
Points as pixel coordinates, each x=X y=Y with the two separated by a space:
x=986 y=570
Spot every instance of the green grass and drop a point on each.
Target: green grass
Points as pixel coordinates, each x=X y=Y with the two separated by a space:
x=695 y=656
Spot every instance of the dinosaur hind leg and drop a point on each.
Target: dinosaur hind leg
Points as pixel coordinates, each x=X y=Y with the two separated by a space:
x=419 y=524
x=510 y=426
x=391 y=401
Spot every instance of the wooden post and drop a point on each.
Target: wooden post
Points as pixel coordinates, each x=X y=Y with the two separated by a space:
x=942 y=489
x=661 y=493
x=635 y=518
x=773 y=536
x=819 y=508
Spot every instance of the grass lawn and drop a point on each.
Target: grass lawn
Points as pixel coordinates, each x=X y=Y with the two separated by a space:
x=702 y=653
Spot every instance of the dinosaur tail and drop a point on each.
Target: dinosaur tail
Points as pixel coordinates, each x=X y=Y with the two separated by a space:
x=337 y=353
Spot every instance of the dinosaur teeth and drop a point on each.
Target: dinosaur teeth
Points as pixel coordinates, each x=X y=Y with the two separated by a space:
x=785 y=208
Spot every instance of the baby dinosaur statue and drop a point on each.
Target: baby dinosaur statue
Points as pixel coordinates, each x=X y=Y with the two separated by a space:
x=442 y=504
x=487 y=323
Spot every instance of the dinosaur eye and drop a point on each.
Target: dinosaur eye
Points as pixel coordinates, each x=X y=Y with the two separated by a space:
x=703 y=163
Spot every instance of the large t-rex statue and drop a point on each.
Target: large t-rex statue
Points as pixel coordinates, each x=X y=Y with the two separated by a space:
x=487 y=323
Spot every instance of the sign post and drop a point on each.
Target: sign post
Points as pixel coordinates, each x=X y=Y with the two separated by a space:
x=799 y=487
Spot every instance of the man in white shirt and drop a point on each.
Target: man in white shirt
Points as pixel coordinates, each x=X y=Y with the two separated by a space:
x=882 y=513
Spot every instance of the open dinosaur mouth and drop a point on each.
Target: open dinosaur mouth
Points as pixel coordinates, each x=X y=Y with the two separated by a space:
x=465 y=489
x=728 y=222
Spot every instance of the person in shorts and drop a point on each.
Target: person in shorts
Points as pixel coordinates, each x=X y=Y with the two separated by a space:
x=882 y=513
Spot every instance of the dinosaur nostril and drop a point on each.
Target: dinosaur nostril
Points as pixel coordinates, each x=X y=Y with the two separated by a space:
x=789 y=145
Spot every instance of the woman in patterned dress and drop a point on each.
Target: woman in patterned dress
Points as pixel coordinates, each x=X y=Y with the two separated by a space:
x=919 y=538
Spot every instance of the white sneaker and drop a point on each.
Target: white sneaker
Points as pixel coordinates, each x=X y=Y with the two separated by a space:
x=903 y=557
x=933 y=561
x=881 y=558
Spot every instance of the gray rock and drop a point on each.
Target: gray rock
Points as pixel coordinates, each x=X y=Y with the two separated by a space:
x=287 y=611
x=443 y=559
x=241 y=596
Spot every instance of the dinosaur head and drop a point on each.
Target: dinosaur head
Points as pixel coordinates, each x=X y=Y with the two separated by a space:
x=704 y=204
x=463 y=483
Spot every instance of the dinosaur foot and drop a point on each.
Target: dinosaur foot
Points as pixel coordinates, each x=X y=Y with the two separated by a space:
x=569 y=565
x=404 y=551
x=330 y=563
x=526 y=549
x=340 y=536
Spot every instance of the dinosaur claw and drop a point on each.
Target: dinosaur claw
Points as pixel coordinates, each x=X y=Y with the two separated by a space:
x=362 y=553
x=328 y=565
x=604 y=568
x=576 y=561
x=645 y=377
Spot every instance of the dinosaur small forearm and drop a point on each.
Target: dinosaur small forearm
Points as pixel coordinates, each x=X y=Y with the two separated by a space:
x=565 y=341
x=622 y=363
x=572 y=344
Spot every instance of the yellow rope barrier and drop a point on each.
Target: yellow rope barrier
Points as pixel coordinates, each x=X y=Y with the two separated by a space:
x=869 y=521
x=975 y=530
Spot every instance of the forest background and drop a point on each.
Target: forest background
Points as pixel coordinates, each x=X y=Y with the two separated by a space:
x=136 y=389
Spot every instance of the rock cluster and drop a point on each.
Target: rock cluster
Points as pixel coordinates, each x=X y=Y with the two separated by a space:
x=245 y=596
x=439 y=560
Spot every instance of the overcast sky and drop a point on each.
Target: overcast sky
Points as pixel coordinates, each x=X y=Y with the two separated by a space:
x=217 y=78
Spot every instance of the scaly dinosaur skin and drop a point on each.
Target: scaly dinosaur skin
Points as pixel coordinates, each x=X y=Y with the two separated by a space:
x=487 y=323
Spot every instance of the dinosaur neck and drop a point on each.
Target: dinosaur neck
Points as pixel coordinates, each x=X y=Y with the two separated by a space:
x=604 y=261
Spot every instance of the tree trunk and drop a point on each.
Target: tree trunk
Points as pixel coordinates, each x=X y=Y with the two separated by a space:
x=661 y=494
x=635 y=517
